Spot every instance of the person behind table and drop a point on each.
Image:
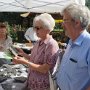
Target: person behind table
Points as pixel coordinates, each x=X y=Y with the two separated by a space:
x=43 y=55
x=74 y=71
x=5 y=39
x=30 y=35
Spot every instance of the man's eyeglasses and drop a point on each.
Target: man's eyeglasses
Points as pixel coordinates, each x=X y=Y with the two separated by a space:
x=67 y=20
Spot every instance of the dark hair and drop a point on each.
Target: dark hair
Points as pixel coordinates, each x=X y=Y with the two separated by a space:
x=2 y=25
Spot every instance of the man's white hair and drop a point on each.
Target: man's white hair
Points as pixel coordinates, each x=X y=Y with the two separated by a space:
x=47 y=20
x=79 y=12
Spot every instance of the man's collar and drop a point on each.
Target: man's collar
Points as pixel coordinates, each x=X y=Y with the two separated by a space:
x=79 y=40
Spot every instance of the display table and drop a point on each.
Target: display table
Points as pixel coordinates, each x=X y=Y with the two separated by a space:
x=12 y=77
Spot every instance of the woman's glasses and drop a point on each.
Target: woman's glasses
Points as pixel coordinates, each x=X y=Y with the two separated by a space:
x=37 y=28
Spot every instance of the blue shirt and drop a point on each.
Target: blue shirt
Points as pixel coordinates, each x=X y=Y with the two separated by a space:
x=74 y=71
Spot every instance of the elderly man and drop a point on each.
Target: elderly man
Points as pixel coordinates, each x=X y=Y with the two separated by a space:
x=74 y=71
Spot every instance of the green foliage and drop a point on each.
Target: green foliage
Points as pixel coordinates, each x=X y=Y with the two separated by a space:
x=88 y=3
x=58 y=26
x=12 y=33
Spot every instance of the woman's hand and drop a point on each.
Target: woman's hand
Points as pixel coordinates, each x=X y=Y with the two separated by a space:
x=40 y=68
x=19 y=60
x=20 y=51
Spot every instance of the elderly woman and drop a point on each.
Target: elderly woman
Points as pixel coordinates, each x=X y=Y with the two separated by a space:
x=43 y=56
x=5 y=40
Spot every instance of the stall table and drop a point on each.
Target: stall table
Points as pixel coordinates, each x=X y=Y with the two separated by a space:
x=12 y=77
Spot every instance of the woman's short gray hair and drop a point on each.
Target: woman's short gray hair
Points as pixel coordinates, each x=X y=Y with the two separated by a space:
x=79 y=12
x=47 y=20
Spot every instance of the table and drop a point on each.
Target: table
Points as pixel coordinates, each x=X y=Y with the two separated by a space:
x=12 y=77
